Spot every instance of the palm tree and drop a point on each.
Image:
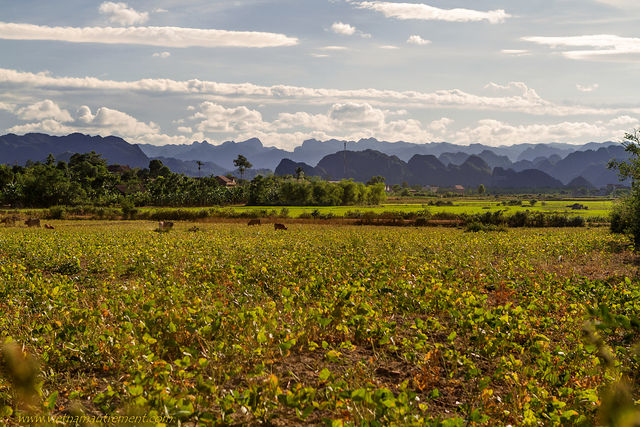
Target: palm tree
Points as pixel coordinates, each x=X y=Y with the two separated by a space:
x=242 y=163
x=199 y=164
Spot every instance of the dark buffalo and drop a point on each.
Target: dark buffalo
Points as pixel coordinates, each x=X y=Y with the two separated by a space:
x=278 y=226
x=8 y=220
x=254 y=222
x=33 y=222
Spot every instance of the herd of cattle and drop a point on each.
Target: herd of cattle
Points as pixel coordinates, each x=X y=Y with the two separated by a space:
x=30 y=222
x=166 y=225
x=162 y=225
x=276 y=226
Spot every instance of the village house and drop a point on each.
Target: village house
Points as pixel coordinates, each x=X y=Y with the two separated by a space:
x=226 y=181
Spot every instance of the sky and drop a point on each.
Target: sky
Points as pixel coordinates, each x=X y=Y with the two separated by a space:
x=497 y=72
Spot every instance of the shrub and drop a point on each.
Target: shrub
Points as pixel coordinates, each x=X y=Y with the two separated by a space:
x=478 y=226
x=129 y=210
x=57 y=212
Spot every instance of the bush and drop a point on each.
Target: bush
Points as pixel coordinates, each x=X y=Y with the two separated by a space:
x=129 y=210
x=421 y=222
x=477 y=226
x=175 y=214
x=57 y=212
x=625 y=219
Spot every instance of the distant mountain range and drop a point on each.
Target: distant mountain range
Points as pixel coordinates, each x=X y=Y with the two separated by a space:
x=312 y=151
x=16 y=149
x=438 y=163
x=420 y=169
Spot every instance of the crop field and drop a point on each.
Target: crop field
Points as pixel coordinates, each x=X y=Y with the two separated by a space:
x=600 y=208
x=337 y=325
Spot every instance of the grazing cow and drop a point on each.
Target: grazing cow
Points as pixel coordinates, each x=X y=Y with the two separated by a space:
x=254 y=222
x=9 y=220
x=49 y=227
x=33 y=222
x=165 y=226
x=277 y=226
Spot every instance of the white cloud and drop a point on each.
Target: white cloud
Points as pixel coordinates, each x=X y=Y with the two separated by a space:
x=347 y=30
x=587 y=88
x=162 y=54
x=6 y=107
x=621 y=4
x=337 y=48
x=46 y=109
x=342 y=120
x=441 y=125
x=426 y=12
x=415 y=39
x=302 y=120
x=153 y=36
x=624 y=121
x=514 y=97
x=105 y=121
x=344 y=29
x=185 y=129
x=121 y=14
x=319 y=55
x=516 y=52
x=356 y=115
x=217 y=118
x=598 y=46
x=388 y=46
x=495 y=132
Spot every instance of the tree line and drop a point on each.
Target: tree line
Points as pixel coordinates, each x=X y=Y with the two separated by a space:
x=87 y=179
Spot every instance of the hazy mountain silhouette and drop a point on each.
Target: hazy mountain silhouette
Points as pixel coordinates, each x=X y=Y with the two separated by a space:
x=289 y=167
x=37 y=146
x=420 y=169
x=223 y=154
x=397 y=161
x=190 y=167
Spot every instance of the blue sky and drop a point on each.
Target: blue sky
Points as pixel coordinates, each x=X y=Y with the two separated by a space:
x=495 y=72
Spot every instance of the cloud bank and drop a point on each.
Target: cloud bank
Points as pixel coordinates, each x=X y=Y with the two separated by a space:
x=346 y=120
x=598 y=46
x=519 y=98
x=177 y=37
x=426 y=12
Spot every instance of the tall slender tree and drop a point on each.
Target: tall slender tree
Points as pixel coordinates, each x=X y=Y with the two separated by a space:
x=242 y=164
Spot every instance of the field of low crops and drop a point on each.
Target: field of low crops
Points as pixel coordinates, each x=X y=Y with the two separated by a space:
x=229 y=324
x=466 y=206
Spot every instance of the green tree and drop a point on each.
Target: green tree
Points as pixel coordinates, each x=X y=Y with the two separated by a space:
x=376 y=193
x=481 y=189
x=626 y=215
x=376 y=179
x=157 y=168
x=242 y=164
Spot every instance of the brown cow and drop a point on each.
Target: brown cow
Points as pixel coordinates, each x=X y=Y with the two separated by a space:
x=254 y=222
x=49 y=227
x=165 y=226
x=278 y=226
x=33 y=222
x=8 y=220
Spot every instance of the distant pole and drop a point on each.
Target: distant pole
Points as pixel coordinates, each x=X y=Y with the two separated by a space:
x=345 y=159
